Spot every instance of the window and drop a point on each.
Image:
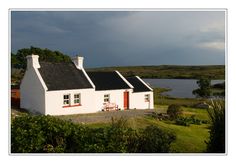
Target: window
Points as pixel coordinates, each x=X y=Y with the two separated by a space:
x=107 y=98
x=147 y=98
x=66 y=99
x=77 y=98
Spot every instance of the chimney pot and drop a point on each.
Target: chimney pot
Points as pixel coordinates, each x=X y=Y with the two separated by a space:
x=78 y=61
x=32 y=61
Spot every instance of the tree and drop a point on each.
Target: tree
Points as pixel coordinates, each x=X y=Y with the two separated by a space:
x=216 y=112
x=19 y=59
x=204 y=88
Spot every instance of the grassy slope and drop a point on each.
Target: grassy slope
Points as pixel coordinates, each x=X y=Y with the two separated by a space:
x=189 y=139
x=170 y=71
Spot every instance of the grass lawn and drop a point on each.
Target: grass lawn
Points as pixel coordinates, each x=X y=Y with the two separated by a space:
x=190 y=139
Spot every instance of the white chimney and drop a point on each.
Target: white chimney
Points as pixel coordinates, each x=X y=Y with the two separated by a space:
x=78 y=61
x=32 y=61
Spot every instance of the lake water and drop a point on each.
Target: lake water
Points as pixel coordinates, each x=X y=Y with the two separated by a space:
x=181 y=88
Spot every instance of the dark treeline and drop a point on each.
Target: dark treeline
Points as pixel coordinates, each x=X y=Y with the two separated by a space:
x=18 y=60
x=170 y=71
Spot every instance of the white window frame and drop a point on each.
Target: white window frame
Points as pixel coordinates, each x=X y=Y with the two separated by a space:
x=77 y=98
x=106 y=98
x=147 y=97
x=66 y=99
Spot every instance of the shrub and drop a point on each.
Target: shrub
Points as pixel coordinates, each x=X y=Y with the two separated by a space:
x=48 y=134
x=216 y=112
x=174 y=111
x=186 y=121
x=120 y=138
x=39 y=134
x=182 y=121
x=154 y=139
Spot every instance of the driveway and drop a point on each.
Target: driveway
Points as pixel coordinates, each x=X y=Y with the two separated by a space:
x=106 y=116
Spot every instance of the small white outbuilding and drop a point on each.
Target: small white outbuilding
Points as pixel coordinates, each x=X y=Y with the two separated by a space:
x=66 y=88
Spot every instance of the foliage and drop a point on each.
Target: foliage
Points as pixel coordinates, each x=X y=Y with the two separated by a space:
x=117 y=138
x=216 y=112
x=34 y=134
x=18 y=60
x=174 y=111
x=47 y=134
x=154 y=139
x=204 y=89
x=186 y=121
x=182 y=121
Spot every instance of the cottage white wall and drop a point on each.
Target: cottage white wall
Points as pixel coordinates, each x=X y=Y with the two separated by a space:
x=54 y=102
x=137 y=100
x=92 y=101
x=116 y=96
x=32 y=92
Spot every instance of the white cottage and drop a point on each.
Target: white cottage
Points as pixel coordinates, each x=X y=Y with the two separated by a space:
x=66 y=88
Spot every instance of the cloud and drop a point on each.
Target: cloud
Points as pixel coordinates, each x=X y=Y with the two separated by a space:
x=213 y=45
x=125 y=38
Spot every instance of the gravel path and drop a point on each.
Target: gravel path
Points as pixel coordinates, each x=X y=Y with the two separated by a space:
x=105 y=116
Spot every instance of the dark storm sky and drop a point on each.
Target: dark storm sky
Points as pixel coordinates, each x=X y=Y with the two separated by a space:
x=121 y=38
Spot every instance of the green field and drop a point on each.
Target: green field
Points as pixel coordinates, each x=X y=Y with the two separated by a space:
x=170 y=71
x=190 y=139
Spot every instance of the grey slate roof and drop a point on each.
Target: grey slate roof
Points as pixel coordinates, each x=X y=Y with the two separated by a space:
x=107 y=80
x=137 y=84
x=63 y=76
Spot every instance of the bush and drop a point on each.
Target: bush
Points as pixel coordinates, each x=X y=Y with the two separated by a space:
x=182 y=121
x=47 y=134
x=174 y=111
x=154 y=139
x=216 y=112
x=34 y=134
x=186 y=121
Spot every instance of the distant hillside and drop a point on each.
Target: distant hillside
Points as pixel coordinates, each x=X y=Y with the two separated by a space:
x=170 y=71
x=18 y=65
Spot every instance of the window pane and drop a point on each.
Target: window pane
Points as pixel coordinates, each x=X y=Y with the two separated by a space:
x=146 y=97
x=66 y=99
x=66 y=102
x=76 y=96
x=77 y=101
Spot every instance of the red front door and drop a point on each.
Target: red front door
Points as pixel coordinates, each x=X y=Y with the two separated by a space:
x=126 y=100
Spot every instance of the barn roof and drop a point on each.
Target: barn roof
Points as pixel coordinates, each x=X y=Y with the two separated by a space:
x=107 y=80
x=138 y=85
x=63 y=76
